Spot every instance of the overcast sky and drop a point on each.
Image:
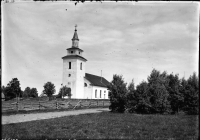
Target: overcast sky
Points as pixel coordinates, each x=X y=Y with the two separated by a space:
x=124 y=38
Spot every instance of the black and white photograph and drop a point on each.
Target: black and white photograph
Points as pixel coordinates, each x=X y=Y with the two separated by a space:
x=100 y=69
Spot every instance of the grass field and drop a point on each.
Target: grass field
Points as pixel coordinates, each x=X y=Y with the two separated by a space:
x=107 y=125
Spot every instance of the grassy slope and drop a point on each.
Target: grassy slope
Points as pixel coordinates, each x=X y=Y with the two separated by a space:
x=107 y=125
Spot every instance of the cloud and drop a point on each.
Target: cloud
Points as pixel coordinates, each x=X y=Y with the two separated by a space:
x=118 y=38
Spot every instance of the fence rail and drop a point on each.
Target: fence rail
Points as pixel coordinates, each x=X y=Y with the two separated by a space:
x=28 y=104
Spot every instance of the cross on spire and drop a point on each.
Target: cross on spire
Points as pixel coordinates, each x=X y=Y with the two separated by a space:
x=75 y=27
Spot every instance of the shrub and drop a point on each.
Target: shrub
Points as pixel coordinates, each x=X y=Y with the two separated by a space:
x=64 y=91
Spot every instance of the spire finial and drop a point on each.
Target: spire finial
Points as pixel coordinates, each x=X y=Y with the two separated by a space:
x=75 y=27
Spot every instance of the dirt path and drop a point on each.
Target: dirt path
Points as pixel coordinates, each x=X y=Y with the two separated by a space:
x=40 y=116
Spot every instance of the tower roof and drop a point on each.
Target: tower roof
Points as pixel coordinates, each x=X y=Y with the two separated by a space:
x=74 y=57
x=75 y=49
x=75 y=37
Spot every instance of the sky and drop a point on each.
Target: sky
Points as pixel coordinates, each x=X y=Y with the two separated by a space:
x=125 y=38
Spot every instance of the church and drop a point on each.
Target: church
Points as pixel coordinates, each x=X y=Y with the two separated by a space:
x=83 y=85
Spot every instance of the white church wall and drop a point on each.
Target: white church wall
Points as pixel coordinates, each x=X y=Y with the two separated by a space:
x=69 y=81
x=76 y=79
x=80 y=79
x=103 y=90
x=87 y=89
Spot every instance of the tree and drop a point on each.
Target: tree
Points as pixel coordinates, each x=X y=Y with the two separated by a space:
x=117 y=93
x=142 y=95
x=26 y=92
x=175 y=96
x=131 y=100
x=190 y=89
x=64 y=91
x=30 y=92
x=49 y=89
x=13 y=89
x=33 y=93
x=157 y=88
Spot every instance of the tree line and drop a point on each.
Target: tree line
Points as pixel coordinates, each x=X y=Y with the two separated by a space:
x=13 y=90
x=162 y=93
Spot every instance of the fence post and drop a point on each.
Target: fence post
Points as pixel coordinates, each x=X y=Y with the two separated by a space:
x=80 y=103
x=89 y=105
x=17 y=106
x=103 y=103
x=97 y=103
x=56 y=104
x=39 y=105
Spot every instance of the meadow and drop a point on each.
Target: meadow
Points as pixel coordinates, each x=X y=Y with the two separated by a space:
x=107 y=125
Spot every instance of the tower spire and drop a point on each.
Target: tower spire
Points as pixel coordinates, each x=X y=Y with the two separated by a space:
x=75 y=39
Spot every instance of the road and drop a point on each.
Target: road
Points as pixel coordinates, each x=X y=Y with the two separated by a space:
x=47 y=115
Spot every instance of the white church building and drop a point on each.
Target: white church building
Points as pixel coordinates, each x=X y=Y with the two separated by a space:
x=83 y=85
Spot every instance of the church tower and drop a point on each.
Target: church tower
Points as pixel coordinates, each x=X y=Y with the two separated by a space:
x=74 y=68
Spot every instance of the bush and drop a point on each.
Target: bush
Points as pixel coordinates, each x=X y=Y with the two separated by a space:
x=64 y=91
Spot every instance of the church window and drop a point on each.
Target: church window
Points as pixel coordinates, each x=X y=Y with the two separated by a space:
x=85 y=84
x=79 y=52
x=69 y=75
x=96 y=93
x=71 y=51
x=81 y=66
x=69 y=65
x=104 y=91
x=100 y=93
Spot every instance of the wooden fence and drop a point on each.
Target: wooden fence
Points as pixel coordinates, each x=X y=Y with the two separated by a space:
x=32 y=104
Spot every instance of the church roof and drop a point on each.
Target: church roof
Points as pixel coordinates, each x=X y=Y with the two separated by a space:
x=96 y=80
x=74 y=57
x=74 y=48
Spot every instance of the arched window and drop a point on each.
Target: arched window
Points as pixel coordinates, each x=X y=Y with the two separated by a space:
x=85 y=84
x=71 y=51
x=81 y=66
x=96 y=93
x=100 y=93
x=69 y=75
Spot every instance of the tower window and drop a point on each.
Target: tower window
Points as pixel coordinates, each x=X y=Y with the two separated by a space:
x=96 y=93
x=69 y=65
x=79 y=52
x=69 y=75
x=71 y=51
x=81 y=66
